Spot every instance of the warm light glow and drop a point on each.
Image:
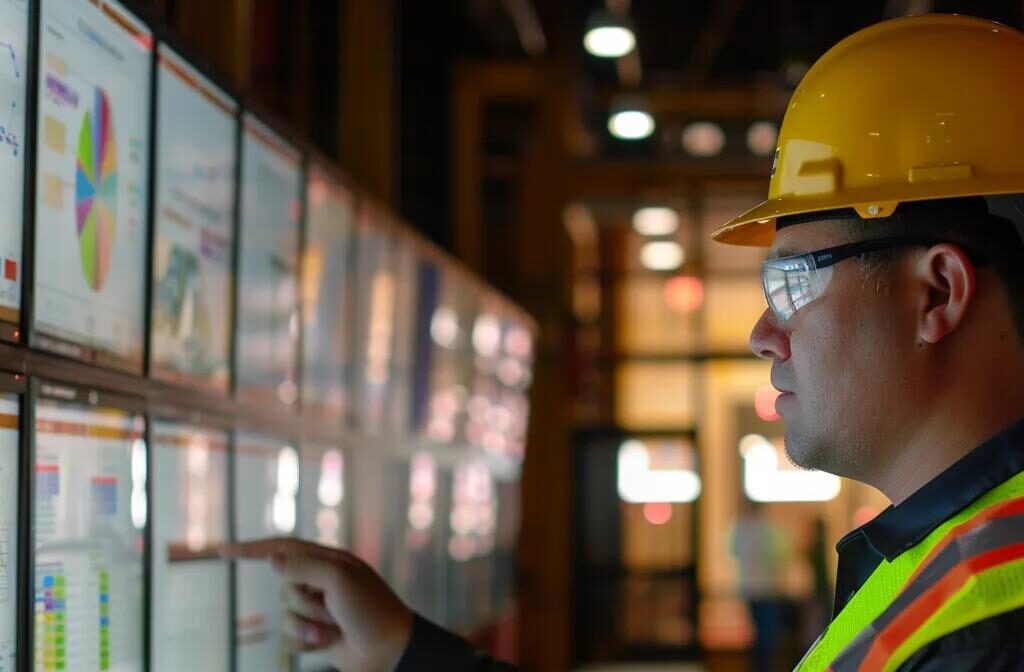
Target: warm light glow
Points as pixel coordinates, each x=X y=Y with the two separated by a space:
x=139 y=503
x=765 y=480
x=684 y=294
x=519 y=343
x=444 y=327
x=487 y=335
x=331 y=488
x=639 y=483
x=703 y=139
x=662 y=255
x=761 y=138
x=764 y=403
x=631 y=124
x=657 y=513
x=655 y=221
x=609 y=41
x=198 y=504
x=381 y=328
x=422 y=487
x=283 y=511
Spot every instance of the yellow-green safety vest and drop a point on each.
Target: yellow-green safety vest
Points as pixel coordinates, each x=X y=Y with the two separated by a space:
x=968 y=569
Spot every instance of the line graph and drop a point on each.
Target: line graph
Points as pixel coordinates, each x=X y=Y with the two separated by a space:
x=7 y=133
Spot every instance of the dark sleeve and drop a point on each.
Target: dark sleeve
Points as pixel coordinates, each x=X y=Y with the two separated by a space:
x=993 y=645
x=433 y=648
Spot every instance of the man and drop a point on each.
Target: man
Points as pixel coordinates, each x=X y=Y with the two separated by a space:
x=895 y=328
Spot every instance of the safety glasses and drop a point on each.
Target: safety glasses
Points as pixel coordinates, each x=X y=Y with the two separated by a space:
x=790 y=283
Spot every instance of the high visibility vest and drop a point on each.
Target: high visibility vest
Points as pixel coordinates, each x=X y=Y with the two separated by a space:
x=968 y=569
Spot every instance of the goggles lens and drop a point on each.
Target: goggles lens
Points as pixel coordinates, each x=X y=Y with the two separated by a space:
x=790 y=283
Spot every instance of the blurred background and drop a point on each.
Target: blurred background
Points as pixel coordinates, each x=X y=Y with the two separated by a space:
x=577 y=155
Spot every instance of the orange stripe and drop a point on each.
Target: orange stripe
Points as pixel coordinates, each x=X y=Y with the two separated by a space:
x=1002 y=510
x=914 y=616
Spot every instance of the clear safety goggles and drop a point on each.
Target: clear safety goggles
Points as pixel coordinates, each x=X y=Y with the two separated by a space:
x=790 y=283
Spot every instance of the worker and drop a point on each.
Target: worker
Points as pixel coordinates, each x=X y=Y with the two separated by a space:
x=895 y=330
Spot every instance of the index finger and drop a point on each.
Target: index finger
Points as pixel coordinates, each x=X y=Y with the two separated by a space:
x=265 y=548
x=285 y=547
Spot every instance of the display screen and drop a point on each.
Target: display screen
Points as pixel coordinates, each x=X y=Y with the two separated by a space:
x=403 y=357
x=376 y=289
x=327 y=293
x=8 y=531
x=498 y=409
x=268 y=311
x=322 y=516
x=444 y=359
x=415 y=526
x=13 y=91
x=322 y=496
x=266 y=494
x=91 y=182
x=191 y=609
x=89 y=514
x=192 y=254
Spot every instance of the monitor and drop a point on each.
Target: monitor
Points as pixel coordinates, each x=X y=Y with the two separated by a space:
x=9 y=414
x=266 y=474
x=327 y=291
x=89 y=515
x=376 y=286
x=268 y=317
x=444 y=363
x=92 y=182
x=322 y=493
x=193 y=245
x=403 y=358
x=190 y=604
x=415 y=533
x=14 y=26
x=322 y=516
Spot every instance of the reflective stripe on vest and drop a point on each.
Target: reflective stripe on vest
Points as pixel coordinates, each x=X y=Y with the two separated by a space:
x=956 y=576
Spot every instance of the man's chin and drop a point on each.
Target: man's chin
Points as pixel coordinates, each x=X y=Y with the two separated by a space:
x=801 y=453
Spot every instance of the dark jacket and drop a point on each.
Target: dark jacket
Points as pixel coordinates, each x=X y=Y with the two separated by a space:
x=993 y=645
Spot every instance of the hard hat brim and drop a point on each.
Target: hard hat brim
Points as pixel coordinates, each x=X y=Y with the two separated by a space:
x=756 y=227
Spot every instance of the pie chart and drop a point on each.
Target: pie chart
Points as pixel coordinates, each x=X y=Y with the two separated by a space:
x=96 y=190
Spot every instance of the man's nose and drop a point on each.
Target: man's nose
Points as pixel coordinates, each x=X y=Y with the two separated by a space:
x=768 y=340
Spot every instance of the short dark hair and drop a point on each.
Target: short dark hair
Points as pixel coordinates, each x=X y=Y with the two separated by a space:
x=962 y=221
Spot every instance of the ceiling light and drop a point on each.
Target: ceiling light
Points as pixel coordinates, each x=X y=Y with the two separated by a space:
x=655 y=221
x=662 y=255
x=608 y=36
x=703 y=139
x=631 y=124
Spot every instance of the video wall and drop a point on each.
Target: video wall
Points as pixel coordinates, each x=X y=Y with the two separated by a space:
x=208 y=333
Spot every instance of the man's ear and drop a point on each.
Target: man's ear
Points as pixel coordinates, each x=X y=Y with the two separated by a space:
x=948 y=276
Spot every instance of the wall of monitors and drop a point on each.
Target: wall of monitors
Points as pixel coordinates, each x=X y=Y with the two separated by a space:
x=219 y=337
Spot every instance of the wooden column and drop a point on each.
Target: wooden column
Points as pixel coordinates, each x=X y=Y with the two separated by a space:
x=221 y=31
x=368 y=121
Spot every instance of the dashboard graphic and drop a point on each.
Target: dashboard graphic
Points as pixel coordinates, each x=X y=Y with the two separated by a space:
x=96 y=190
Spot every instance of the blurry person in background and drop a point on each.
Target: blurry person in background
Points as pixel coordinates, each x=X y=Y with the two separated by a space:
x=762 y=553
x=895 y=329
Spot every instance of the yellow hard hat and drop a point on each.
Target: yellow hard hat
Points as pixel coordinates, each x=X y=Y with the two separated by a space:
x=911 y=109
